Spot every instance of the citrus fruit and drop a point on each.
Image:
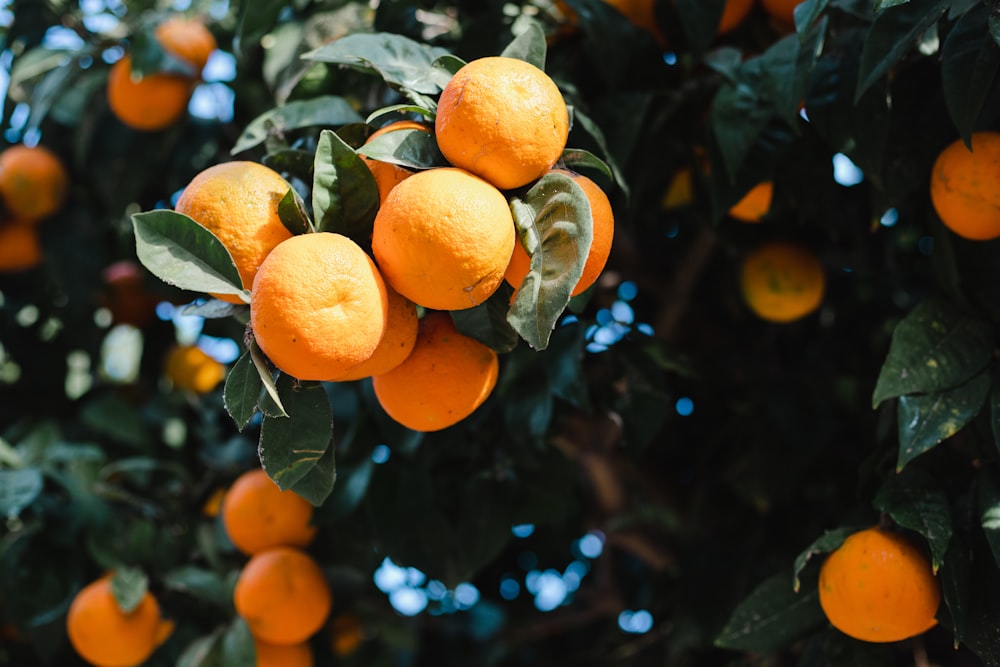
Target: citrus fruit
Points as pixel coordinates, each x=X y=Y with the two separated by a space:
x=387 y=174
x=733 y=14
x=20 y=248
x=346 y=634
x=33 y=182
x=106 y=636
x=755 y=203
x=186 y=39
x=282 y=595
x=642 y=14
x=878 y=587
x=600 y=248
x=397 y=341
x=443 y=238
x=258 y=515
x=502 y=119
x=782 y=11
x=446 y=377
x=318 y=307
x=275 y=655
x=964 y=187
x=238 y=202
x=190 y=368
x=782 y=281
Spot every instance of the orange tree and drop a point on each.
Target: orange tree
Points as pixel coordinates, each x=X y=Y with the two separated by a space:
x=652 y=471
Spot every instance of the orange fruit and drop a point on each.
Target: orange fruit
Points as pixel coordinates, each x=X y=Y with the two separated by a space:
x=755 y=203
x=190 y=368
x=187 y=40
x=258 y=515
x=282 y=595
x=318 y=306
x=733 y=14
x=388 y=175
x=446 y=377
x=33 y=182
x=600 y=248
x=642 y=14
x=502 y=119
x=878 y=587
x=964 y=187
x=20 y=248
x=782 y=282
x=782 y=11
x=397 y=341
x=275 y=655
x=346 y=634
x=106 y=636
x=443 y=238
x=238 y=202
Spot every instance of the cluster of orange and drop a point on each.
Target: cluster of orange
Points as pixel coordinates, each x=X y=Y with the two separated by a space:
x=444 y=239
x=33 y=185
x=158 y=100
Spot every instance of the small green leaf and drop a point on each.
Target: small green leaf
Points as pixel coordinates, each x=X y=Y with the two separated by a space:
x=129 y=586
x=293 y=214
x=825 y=543
x=487 y=322
x=554 y=223
x=528 y=46
x=237 y=646
x=915 y=500
x=593 y=130
x=18 y=489
x=291 y=446
x=323 y=111
x=772 y=617
x=410 y=148
x=344 y=197
x=273 y=406
x=242 y=389
x=935 y=347
x=400 y=109
x=738 y=115
x=180 y=252
x=319 y=482
x=575 y=158
x=970 y=60
x=988 y=502
x=255 y=20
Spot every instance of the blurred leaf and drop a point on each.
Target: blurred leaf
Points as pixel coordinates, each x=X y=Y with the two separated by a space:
x=925 y=420
x=111 y=415
x=202 y=652
x=807 y=13
x=935 y=347
x=528 y=46
x=555 y=228
x=344 y=196
x=959 y=7
x=180 y=252
x=201 y=584
x=969 y=63
x=700 y=20
x=323 y=111
x=564 y=364
x=319 y=481
x=129 y=586
x=237 y=646
x=738 y=115
x=915 y=500
x=413 y=149
x=350 y=490
x=293 y=214
x=574 y=158
x=256 y=18
x=772 y=617
x=825 y=543
x=33 y=64
x=291 y=446
x=786 y=70
x=725 y=60
x=242 y=389
x=487 y=322
x=988 y=501
x=18 y=489
x=955 y=577
x=883 y=4
x=594 y=131
x=148 y=57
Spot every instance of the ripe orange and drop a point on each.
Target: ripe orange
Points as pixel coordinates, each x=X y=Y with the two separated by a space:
x=189 y=368
x=964 y=187
x=446 y=377
x=388 y=175
x=238 y=202
x=502 y=119
x=755 y=203
x=258 y=515
x=319 y=306
x=443 y=238
x=106 y=636
x=33 y=182
x=397 y=341
x=20 y=248
x=187 y=40
x=782 y=282
x=878 y=587
x=283 y=596
x=604 y=231
x=275 y=655
x=782 y=11
x=642 y=14
x=733 y=14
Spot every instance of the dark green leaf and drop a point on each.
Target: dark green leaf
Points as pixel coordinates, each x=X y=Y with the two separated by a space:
x=925 y=420
x=575 y=158
x=915 y=500
x=969 y=63
x=700 y=20
x=410 y=148
x=555 y=227
x=109 y=414
x=129 y=586
x=487 y=322
x=256 y=19
x=807 y=13
x=884 y=4
x=317 y=484
x=344 y=197
x=564 y=364
x=180 y=252
x=738 y=116
x=324 y=111
x=237 y=645
x=786 y=70
x=202 y=652
x=291 y=446
x=201 y=584
x=18 y=489
x=995 y=27
x=594 y=131
x=823 y=544
x=988 y=501
x=272 y=406
x=955 y=579
x=528 y=46
x=350 y=490
x=935 y=347
x=293 y=214
x=242 y=389
x=725 y=60
x=959 y=7
x=772 y=617
x=298 y=163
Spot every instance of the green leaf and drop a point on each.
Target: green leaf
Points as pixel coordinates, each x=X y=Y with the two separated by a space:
x=200 y=584
x=237 y=645
x=18 y=489
x=825 y=543
x=772 y=617
x=915 y=500
x=129 y=586
x=410 y=148
x=324 y=111
x=935 y=347
x=738 y=116
x=925 y=420
x=293 y=161
x=806 y=14
x=111 y=415
x=786 y=70
x=428 y=114
x=242 y=389
x=202 y=652
x=995 y=27
x=272 y=407
x=892 y=36
x=564 y=364
x=33 y=64
x=216 y=309
x=487 y=322
x=554 y=223
x=444 y=67
x=180 y=252
x=988 y=502
x=256 y=18
x=319 y=482
x=344 y=197
x=585 y=123
x=955 y=577
x=291 y=446
x=700 y=20
x=970 y=60
x=293 y=214
x=528 y=46
x=575 y=158
x=883 y=4
x=352 y=485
